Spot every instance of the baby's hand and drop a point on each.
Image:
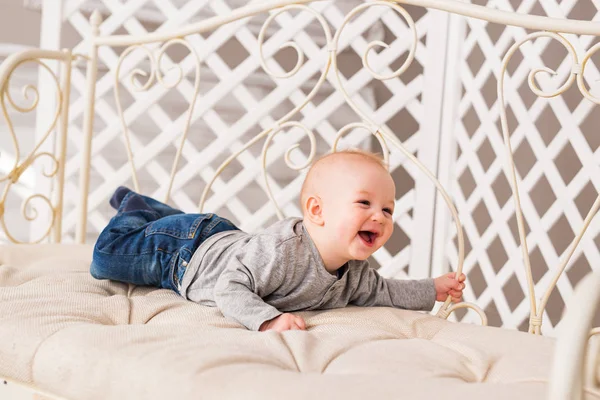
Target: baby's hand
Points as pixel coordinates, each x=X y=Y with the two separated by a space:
x=284 y=322
x=447 y=285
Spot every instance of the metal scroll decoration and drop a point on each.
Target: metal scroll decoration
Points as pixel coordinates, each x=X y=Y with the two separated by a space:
x=283 y=122
x=28 y=209
x=158 y=75
x=577 y=69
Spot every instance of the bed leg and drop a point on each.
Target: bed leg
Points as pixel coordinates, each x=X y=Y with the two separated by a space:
x=566 y=376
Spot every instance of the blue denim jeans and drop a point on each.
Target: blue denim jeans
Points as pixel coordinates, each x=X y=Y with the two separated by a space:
x=150 y=243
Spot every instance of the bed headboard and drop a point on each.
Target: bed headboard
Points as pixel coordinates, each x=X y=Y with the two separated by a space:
x=307 y=95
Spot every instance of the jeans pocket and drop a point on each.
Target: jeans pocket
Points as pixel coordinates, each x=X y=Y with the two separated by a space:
x=178 y=266
x=180 y=226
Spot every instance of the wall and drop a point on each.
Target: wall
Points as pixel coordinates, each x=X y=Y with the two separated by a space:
x=19 y=25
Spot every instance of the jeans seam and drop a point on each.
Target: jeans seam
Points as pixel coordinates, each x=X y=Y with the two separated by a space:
x=172 y=269
x=173 y=273
x=112 y=253
x=177 y=233
x=207 y=231
x=196 y=224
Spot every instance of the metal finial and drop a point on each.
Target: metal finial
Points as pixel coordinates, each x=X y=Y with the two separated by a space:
x=95 y=21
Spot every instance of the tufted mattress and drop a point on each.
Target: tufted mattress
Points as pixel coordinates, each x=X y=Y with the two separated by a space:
x=71 y=335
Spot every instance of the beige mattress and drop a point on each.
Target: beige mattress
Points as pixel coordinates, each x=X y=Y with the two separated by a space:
x=76 y=337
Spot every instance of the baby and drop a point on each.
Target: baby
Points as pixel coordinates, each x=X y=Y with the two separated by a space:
x=312 y=263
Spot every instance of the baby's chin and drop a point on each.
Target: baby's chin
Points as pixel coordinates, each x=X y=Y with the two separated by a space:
x=363 y=257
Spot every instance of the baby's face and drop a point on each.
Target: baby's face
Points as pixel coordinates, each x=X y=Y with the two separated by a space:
x=358 y=210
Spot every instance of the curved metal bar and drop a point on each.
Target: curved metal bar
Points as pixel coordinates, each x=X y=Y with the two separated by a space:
x=534 y=22
x=18 y=169
x=397 y=73
x=319 y=83
x=293 y=45
x=88 y=125
x=588 y=219
x=133 y=74
x=26 y=89
x=190 y=111
x=225 y=163
x=283 y=120
x=445 y=312
x=155 y=74
x=372 y=129
x=311 y=156
x=29 y=387
x=590 y=378
x=6 y=70
x=14 y=60
x=566 y=376
x=29 y=216
x=580 y=83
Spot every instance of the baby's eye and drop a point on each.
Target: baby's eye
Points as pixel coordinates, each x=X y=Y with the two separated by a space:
x=365 y=202
x=387 y=210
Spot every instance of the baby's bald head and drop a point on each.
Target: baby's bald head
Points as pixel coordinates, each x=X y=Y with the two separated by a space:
x=332 y=169
x=348 y=200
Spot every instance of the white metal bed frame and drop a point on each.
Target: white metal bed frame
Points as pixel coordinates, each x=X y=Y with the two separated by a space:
x=567 y=372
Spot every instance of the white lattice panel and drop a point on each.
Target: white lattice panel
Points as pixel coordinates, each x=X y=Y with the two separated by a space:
x=238 y=99
x=555 y=147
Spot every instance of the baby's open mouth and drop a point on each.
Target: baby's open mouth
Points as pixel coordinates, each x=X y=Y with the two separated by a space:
x=368 y=237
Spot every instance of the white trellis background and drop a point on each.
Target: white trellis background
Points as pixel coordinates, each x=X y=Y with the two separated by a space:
x=444 y=109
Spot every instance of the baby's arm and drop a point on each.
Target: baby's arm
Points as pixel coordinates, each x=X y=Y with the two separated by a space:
x=374 y=290
x=237 y=298
x=371 y=289
x=255 y=273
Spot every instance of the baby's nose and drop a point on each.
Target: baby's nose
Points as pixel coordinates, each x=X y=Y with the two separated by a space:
x=378 y=216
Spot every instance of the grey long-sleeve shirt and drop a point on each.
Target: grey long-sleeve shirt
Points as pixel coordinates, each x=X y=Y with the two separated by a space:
x=253 y=278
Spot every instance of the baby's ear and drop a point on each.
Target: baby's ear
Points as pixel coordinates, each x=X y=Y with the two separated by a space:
x=313 y=210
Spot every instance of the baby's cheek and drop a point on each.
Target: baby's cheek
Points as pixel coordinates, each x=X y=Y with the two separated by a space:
x=341 y=231
x=331 y=229
x=387 y=235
